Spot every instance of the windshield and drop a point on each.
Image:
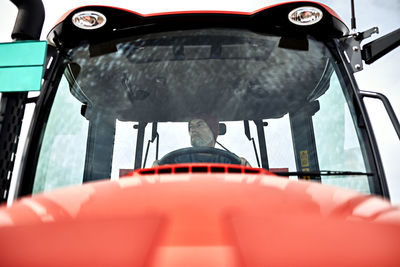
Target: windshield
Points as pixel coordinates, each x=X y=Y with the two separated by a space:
x=212 y=95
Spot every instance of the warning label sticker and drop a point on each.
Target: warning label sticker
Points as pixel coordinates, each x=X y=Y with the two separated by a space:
x=304 y=158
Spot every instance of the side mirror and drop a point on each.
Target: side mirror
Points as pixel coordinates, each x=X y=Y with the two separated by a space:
x=22 y=65
x=378 y=48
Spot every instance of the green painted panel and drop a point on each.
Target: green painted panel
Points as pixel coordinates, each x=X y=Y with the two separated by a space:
x=22 y=65
x=20 y=79
x=23 y=53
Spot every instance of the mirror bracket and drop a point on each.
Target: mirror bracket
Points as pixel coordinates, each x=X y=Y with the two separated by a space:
x=352 y=47
x=366 y=34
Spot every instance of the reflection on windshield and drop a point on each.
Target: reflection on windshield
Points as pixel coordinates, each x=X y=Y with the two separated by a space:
x=177 y=76
x=213 y=95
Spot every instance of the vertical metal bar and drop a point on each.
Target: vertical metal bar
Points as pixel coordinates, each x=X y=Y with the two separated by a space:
x=99 y=148
x=255 y=149
x=147 y=152
x=139 y=144
x=303 y=138
x=262 y=144
x=157 y=145
x=247 y=133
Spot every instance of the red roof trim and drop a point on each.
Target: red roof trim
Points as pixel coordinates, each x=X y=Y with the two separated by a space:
x=331 y=11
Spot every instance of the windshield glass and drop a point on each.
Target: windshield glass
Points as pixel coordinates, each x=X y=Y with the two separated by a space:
x=212 y=95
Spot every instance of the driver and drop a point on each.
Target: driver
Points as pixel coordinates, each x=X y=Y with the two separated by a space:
x=203 y=133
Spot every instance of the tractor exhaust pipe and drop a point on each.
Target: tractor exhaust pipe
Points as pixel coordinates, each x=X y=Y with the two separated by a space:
x=29 y=21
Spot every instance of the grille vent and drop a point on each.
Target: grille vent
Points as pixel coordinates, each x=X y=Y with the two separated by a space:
x=179 y=169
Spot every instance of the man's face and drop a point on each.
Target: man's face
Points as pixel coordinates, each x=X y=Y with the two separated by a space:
x=200 y=133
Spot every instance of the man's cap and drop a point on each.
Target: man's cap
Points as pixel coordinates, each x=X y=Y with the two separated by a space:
x=212 y=123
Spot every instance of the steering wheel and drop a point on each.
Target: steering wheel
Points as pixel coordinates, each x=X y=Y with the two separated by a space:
x=199 y=154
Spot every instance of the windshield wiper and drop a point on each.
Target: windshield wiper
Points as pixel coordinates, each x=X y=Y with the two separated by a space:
x=323 y=173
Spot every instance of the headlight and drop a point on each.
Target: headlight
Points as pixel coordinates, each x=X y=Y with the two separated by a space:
x=305 y=16
x=89 y=20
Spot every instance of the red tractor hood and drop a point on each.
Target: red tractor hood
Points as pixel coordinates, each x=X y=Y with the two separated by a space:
x=200 y=219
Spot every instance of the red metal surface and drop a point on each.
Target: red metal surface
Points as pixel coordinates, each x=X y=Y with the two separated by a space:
x=204 y=168
x=200 y=220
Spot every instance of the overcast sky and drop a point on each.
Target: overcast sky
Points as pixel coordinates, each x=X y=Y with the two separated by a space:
x=383 y=76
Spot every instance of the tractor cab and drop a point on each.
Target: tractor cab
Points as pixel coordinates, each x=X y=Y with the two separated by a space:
x=277 y=107
x=274 y=88
x=126 y=87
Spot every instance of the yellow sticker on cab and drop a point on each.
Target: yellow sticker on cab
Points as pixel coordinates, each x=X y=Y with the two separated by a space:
x=304 y=158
